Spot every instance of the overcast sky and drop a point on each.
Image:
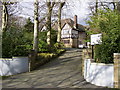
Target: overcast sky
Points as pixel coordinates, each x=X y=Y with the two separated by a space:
x=76 y=7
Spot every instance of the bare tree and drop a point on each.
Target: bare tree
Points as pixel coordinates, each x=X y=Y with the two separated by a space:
x=4 y=16
x=59 y=21
x=50 y=6
x=96 y=7
x=100 y=4
x=36 y=22
x=8 y=9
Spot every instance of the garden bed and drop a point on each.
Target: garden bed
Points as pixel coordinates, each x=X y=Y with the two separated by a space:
x=44 y=58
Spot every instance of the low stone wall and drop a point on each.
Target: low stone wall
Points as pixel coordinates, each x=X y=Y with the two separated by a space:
x=13 y=66
x=98 y=73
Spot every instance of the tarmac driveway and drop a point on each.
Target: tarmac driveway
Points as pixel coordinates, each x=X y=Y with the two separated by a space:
x=64 y=71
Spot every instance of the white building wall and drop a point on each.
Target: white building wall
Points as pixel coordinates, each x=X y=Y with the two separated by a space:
x=66 y=31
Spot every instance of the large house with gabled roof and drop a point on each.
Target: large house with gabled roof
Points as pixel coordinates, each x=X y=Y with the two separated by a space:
x=73 y=34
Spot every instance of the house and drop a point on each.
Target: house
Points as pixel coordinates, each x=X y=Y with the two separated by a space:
x=73 y=34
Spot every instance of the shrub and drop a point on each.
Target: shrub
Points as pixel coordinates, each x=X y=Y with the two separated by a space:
x=43 y=46
x=58 y=45
x=15 y=42
x=46 y=55
x=29 y=26
x=108 y=24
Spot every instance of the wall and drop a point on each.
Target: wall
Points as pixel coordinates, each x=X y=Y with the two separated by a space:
x=75 y=43
x=66 y=31
x=98 y=73
x=82 y=37
x=69 y=45
x=13 y=66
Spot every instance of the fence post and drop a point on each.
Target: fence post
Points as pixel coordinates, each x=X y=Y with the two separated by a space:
x=116 y=70
x=31 y=60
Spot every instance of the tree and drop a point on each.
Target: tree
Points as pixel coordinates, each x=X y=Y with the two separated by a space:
x=15 y=41
x=107 y=22
x=59 y=21
x=4 y=16
x=94 y=6
x=8 y=9
x=29 y=26
x=118 y=6
x=50 y=6
x=36 y=22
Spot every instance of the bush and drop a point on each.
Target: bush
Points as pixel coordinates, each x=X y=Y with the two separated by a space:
x=58 y=45
x=59 y=51
x=46 y=55
x=15 y=43
x=22 y=50
x=43 y=46
x=108 y=24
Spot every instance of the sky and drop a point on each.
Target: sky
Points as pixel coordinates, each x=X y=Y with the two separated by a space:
x=79 y=8
x=76 y=7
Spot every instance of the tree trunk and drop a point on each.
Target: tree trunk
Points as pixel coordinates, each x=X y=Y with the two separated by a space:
x=96 y=7
x=59 y=22
x=50 y=6
x=49 y=26
x=35 y=44
x=4 y=17
x=118 y=6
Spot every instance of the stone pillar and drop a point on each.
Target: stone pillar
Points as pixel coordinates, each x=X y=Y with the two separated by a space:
x=116 y=70
x=86 y=54
x=83 y=58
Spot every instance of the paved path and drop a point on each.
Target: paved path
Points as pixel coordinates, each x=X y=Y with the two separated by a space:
x=62 y=72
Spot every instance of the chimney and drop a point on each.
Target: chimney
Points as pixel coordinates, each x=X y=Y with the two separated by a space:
x=75 y=22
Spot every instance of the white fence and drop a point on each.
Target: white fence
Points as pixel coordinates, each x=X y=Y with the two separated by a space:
x=13 y=66
x=98 y=73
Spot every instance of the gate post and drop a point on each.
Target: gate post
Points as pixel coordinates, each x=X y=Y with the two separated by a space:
x=86 y=54
x=116 y=70
x=31 y=60
x=83 y=58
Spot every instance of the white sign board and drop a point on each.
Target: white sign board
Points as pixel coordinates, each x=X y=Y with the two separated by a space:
x=96 y=39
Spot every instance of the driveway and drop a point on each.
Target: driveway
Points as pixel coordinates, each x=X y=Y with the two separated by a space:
x=62 y=72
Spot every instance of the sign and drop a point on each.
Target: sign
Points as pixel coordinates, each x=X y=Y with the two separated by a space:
x=96 y=39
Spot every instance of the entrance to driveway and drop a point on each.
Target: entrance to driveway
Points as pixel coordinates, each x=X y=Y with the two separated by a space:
x=63 y=72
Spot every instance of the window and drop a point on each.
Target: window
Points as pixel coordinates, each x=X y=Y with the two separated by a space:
x=66 y=41
x=66 y=31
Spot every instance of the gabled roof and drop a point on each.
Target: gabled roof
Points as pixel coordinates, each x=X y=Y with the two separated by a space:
x=70 y=22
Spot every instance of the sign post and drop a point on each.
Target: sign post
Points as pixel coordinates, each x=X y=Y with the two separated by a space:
x=95 y=39
x=92 y=51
